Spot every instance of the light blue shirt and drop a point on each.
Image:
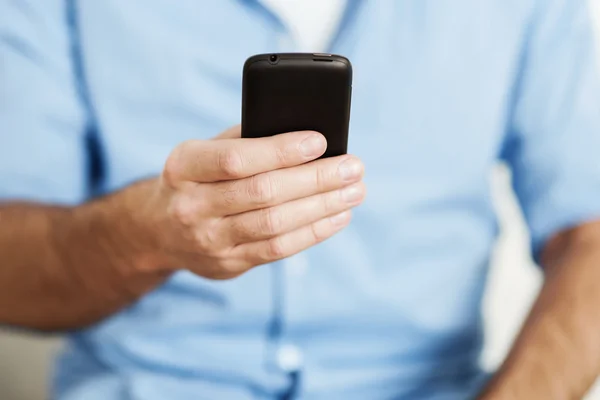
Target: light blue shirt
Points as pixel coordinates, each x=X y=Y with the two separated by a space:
x=95 y=94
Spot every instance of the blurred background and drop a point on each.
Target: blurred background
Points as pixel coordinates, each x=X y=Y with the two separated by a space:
x=26 y=360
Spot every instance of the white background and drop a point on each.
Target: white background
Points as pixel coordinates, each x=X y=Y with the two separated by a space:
x=514 y=282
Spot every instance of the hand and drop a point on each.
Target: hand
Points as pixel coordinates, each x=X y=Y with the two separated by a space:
x=225 y=206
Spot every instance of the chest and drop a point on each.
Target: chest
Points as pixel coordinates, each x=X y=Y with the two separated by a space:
x=431 y=90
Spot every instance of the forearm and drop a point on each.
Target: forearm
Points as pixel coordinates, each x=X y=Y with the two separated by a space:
x=556 y=354
x=65 y=268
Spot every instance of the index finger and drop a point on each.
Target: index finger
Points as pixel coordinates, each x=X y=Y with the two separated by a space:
x=229 y=159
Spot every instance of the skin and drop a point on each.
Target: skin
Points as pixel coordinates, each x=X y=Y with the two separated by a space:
x=219 y=208
x=557 y=354
x=224 y=206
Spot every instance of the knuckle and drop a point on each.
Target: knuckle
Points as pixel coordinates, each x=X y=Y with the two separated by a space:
x=230 y=162
x=270 y=221
x=281 y=156
x=207 y=240
x=229 y=268
x=318 y=234
x=275 y=249
x=330 y=202
x=183 y=210
x=173 y=168
x=230 y=193
x=262 y=189
x=321 y=177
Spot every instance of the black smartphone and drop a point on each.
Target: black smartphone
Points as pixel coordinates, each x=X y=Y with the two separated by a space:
x=295 y=92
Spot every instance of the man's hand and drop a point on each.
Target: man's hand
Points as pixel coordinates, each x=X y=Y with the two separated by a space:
x=229 y=205
x=219 y=208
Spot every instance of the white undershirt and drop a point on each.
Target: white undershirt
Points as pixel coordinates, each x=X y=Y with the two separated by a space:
x=312 y=23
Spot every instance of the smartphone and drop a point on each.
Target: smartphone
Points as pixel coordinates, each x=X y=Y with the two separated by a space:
x=290 y=92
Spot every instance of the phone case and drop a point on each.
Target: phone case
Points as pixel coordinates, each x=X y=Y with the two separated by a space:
x=296 y=92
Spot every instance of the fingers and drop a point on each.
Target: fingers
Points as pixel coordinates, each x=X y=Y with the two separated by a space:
x=288 y=244
x=274 y=221
x=229 y=159
x=280 y=186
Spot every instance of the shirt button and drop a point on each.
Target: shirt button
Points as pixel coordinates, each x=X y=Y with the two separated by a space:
x=289 y=358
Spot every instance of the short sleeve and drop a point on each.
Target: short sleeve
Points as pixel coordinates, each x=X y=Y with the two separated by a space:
x=43 y=154
x=554 y=145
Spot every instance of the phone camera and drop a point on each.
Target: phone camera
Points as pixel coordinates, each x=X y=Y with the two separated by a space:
x=273 y=58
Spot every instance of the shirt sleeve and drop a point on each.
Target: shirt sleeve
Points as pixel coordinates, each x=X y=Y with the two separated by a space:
x=43 y=154
x=554 y=143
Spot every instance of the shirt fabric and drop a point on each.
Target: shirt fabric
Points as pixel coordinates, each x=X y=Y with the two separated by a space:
x=311 y=23
x=95 y=94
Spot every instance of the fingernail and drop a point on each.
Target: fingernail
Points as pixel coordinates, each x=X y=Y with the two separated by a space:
x=312 y=146
x=350 y=170
x=340 y=219
x=351 y=194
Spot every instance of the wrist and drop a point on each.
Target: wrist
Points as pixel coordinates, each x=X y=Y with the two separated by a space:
x=125 y=226
x=146 y=215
